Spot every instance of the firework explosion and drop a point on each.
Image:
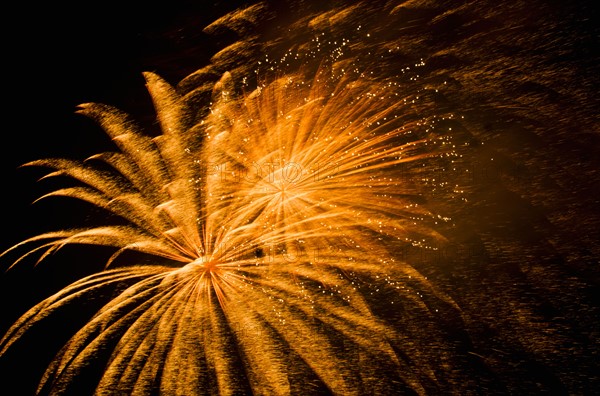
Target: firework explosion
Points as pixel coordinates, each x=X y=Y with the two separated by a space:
x=289 y=214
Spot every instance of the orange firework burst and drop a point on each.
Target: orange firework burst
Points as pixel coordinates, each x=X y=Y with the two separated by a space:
x=344 y=198
x=277 y=212
x=272 y=249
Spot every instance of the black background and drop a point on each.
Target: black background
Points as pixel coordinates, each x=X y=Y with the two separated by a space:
x=56 y=56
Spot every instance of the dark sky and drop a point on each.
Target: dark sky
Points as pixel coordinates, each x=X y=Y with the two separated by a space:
x=56 y=56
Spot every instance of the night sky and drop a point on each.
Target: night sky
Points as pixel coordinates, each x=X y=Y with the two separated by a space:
x=57 y=56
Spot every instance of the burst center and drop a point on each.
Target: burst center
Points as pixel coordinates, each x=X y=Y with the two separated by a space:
x=205 y=264
x=210 y=265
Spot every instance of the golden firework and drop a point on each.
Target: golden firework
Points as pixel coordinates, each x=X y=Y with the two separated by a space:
x=278 y=213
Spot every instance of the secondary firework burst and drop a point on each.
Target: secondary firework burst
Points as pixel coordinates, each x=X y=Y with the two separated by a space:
x=277 y=212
